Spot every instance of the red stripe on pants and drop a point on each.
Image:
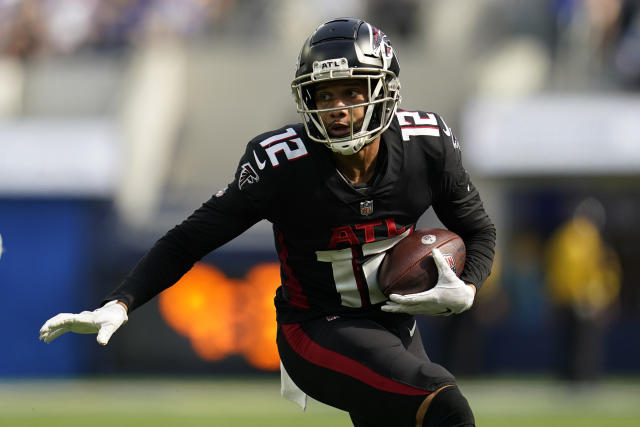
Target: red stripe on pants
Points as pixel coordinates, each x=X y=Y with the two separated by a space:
x=312 y=352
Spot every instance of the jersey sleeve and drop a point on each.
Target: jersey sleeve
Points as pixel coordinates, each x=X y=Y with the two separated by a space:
x=458 y=205
x=223 y=217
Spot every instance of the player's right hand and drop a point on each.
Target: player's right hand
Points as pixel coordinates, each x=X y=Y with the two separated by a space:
x=449 y=296
x=104 y=321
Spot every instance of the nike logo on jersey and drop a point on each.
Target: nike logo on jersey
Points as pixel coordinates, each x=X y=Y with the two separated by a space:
x=247 y=176
x=447 y=129
x=413 y=329
x=261 y=164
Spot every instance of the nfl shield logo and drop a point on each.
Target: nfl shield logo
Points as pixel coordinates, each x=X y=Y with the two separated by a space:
x=366 y=207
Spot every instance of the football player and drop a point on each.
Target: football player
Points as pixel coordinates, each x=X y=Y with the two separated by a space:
x=340 y=189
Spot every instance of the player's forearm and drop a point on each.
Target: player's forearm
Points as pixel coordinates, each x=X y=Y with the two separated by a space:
x=466 y=216
x=480 y=246
x=156 y=271
x=175 y=253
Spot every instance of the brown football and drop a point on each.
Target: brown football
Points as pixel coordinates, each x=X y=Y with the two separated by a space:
x=409 y=268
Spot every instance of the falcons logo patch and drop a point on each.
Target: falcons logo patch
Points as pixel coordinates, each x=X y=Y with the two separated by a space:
x=247 y=175
x=380 y=45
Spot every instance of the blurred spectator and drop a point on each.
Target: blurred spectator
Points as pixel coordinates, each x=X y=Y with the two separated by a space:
x=185 y=18
x=29 y=27
x=583 y=279
x=626 y=57
x=601 y=37
x=68 y=23
x=118 y=23
x=24 y=31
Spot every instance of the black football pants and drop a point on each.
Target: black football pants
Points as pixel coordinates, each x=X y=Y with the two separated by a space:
x=375 y=369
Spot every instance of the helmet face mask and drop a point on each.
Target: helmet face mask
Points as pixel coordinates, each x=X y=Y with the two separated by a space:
x=348 y=49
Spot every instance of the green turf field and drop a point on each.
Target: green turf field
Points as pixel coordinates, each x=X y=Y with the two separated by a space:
x=237 y=403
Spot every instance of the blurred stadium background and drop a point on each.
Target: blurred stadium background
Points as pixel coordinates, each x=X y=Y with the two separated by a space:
x=119 y=117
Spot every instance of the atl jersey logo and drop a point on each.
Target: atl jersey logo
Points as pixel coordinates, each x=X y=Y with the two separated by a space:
x=357 y=234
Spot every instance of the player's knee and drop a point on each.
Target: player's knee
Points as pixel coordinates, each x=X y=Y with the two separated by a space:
x=449 y=408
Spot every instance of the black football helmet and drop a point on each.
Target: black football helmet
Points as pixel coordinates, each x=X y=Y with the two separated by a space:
x=348 y=48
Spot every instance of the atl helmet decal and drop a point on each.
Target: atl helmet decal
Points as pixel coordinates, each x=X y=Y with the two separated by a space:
x=247 y=175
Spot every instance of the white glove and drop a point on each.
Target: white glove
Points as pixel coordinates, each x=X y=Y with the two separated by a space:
x=449 y=296
x=104 y=321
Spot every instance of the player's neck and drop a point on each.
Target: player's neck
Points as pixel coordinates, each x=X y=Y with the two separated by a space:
x=360 y=167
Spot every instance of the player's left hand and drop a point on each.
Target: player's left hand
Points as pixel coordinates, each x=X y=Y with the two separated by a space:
x=449 y=296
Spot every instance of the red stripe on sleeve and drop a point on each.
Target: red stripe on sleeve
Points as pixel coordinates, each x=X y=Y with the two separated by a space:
x=296 y=297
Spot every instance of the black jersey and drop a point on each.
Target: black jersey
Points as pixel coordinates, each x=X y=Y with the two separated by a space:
x=329 y=234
